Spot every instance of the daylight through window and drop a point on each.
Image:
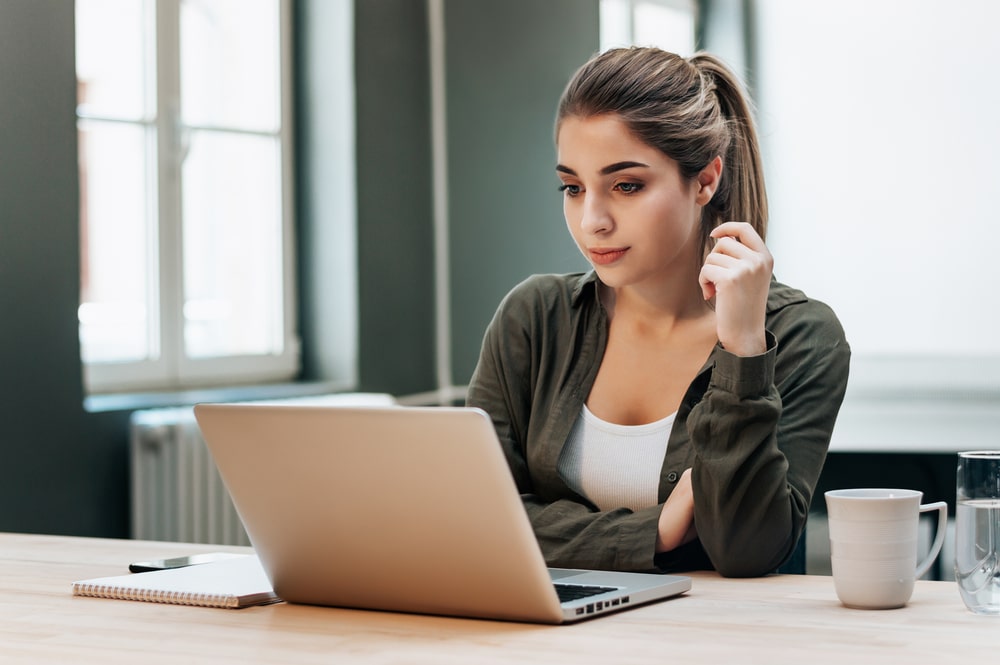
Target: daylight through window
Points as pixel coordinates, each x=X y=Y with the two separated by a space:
x=186 y=195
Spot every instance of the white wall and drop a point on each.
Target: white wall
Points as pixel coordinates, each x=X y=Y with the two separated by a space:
x=879 y=127
x=880 y=121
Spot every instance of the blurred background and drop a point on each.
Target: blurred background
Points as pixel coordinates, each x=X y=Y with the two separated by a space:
x=222 y=199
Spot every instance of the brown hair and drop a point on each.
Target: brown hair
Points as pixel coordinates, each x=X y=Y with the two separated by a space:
x=691 y=109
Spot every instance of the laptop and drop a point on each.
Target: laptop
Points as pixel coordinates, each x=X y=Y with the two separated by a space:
x=405 y=509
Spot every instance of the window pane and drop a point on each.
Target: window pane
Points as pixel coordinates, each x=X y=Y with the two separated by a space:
x=110 y=58
x=616 y=24
x=669 y=27
x=230 y=63
x=114 y=226
x=667 y=24
x=232 y=245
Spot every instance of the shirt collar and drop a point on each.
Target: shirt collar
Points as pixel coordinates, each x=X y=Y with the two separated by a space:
x=585 y=283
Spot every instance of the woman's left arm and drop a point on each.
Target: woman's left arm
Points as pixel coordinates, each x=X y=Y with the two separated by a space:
x=760 y=436
x=761 y=432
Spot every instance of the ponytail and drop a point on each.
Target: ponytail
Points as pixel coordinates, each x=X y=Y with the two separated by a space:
x=741 y=195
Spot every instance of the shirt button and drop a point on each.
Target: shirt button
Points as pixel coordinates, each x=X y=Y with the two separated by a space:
x=672 y=477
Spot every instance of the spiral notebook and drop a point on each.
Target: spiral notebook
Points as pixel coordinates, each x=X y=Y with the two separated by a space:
x=232 y=583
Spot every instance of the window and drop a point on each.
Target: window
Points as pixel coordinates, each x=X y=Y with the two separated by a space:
x=668 y=24
x=186 y=193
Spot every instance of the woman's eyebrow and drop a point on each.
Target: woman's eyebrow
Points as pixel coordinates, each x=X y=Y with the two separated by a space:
x=620 y=166
x=607 y=170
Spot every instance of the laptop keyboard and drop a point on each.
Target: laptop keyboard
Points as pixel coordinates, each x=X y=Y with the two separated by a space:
x=568 y=592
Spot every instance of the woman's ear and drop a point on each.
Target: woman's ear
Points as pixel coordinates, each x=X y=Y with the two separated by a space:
x=708 y=181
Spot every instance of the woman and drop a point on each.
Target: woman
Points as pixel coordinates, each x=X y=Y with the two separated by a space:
x=670 y=409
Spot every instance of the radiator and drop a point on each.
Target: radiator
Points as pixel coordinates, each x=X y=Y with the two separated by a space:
x=177 y=493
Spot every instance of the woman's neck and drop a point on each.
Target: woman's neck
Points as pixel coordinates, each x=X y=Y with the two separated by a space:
x=660 y=307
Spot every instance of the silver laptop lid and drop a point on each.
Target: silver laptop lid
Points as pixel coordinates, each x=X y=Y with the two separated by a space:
x=401 y=508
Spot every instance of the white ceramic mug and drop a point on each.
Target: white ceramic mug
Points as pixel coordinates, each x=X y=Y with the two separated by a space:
x=873 y=544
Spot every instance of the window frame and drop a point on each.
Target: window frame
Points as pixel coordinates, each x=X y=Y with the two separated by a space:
x=171 y=368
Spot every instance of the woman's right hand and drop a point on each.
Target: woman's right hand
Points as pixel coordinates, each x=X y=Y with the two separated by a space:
x=676 y=525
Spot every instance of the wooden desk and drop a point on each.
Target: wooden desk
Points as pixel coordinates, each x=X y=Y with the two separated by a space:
x=779 y=619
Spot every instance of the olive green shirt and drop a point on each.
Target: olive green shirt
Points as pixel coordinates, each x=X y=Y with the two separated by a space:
x=754 y=430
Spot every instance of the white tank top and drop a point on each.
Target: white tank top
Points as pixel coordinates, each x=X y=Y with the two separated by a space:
x=615 y=466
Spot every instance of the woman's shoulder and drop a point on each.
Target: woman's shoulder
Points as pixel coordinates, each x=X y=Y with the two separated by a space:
x=544 y=291
x=791 y=312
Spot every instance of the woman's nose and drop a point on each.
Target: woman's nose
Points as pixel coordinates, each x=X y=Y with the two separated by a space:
x=596 y=216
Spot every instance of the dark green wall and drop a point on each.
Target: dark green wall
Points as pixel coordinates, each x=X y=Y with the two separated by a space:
x=504 y=72
x=61 y=470
x=507 y=64
x=395 y=227
x=325 y=198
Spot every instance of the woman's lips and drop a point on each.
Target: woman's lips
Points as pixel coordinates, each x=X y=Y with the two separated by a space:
x=604 y=256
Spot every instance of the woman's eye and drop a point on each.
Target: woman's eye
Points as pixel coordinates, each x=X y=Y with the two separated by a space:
x=570 y=190
x=629 y=187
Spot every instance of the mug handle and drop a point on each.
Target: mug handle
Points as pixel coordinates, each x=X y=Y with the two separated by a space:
x=942 y=526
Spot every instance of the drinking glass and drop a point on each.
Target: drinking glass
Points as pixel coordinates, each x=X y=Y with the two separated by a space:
x=977 y=530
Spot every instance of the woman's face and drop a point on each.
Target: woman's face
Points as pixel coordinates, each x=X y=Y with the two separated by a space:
x=629 y=209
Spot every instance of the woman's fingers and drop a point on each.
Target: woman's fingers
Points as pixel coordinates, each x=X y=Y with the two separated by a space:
x=742 y=232
x=737 y=273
